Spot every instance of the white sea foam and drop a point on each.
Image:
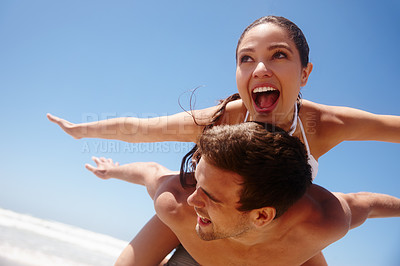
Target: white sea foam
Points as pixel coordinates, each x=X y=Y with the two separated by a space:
x=32 y=241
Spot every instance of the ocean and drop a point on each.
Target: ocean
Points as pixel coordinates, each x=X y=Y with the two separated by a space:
x=27 y=240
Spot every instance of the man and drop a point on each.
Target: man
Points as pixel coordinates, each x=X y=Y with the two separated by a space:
x=252 y=201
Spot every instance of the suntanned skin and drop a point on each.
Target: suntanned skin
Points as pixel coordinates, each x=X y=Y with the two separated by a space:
x=318 y=219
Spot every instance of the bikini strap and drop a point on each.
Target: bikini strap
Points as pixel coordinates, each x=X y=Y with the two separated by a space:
x=247 y=116
x=304 y=136
x=294 y=123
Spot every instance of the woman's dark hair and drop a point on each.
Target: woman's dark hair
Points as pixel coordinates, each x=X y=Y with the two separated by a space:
x=189 y=160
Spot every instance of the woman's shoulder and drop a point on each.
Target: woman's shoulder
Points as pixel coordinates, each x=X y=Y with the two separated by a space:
x=310 y=115
x=323 y=110
x=235 y=112
x=318 y=114
x=308 y=107
x=323 y=126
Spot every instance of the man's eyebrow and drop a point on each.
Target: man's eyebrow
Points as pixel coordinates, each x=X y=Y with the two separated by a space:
x=210 y=196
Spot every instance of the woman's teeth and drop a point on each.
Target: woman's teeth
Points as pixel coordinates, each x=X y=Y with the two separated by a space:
x=263 y=89
x=265 y=98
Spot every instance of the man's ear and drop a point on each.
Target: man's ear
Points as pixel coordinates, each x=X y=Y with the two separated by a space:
x=305 y=73
x=263 y=216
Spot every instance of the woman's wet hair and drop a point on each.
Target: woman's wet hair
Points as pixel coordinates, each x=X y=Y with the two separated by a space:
x=188 y=161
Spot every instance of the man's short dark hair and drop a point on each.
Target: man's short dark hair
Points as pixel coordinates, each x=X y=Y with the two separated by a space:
x=274 y=165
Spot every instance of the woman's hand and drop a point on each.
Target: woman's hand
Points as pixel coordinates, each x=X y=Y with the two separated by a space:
x=75 y=130
x=104 y=167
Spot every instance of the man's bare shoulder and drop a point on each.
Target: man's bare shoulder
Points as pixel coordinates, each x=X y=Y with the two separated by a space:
x=170 y=201
x=335 y=213
x=326 y=219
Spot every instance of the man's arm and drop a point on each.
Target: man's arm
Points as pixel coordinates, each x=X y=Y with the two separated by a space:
x=150 y=246
x=148 y=174
x=155 y=240
x=364 y=205
x=317 y=260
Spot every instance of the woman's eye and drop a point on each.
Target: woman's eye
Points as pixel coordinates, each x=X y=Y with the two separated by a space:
x=279 y=55
x=245 y=58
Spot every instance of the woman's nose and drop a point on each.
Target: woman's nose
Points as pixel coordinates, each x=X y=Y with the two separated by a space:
x=195 y=200
x=262 y=71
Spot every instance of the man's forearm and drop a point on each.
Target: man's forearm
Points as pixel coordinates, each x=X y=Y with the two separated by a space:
x=364 y=205
x=384 y=206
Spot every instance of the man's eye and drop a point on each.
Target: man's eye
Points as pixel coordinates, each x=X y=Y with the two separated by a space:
x=279 y=55
x=245 y=58
x=191 y=180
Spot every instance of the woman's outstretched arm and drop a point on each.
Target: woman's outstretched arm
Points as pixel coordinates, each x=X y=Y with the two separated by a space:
x=177 y=127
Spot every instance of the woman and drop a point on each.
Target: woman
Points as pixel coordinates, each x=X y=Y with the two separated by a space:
x=272 y=66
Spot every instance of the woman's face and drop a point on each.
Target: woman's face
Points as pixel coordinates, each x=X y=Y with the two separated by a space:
x=269 y=74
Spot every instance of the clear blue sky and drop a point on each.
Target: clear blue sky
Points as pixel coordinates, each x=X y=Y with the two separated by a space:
x=89 y=60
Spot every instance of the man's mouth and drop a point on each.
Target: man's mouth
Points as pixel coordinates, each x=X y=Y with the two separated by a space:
x=265 y=98
x=203 y=221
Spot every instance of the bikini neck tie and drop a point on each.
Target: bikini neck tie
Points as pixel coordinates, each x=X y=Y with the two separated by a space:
x=294 y=123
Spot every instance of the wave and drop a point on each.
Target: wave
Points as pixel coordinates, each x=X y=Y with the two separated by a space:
x=32 y=241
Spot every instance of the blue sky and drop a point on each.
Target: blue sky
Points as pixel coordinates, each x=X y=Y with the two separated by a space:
x=89 y=60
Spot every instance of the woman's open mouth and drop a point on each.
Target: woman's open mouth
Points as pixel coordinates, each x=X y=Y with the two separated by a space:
x=265 y=99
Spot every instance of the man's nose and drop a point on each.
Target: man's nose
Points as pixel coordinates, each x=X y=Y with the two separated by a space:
x=262 y=70
x=195 y=200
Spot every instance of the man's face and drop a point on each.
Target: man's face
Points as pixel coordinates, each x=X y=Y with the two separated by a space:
x=215 y=201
